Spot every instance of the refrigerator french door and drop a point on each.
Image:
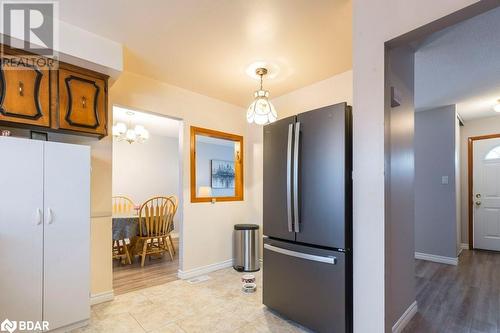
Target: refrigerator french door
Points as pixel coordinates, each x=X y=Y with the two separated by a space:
x=308 y=218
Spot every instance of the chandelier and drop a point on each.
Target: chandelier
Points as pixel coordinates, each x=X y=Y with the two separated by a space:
x=261 y=111
x=122 y=132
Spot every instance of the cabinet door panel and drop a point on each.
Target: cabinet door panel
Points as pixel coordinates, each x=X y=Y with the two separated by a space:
x=24 y=95
x=82 y=103
x=66 y=234
x=21 y=230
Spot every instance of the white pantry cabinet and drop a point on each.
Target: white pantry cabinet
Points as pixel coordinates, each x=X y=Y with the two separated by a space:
x=44 y=232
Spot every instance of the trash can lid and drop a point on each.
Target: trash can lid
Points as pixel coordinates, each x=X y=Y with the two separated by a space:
x=246 y=227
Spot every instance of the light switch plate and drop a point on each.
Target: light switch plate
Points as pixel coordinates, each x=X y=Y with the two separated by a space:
x=444 y=180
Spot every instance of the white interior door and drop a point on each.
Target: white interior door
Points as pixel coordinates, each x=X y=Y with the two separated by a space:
x=67 y=234
x=21 y=229
x=486 y=196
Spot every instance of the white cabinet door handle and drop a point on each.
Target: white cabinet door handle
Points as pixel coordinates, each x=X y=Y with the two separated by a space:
x=38 y=216
x=50 y=216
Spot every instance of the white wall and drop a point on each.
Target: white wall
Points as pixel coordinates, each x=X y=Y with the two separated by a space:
x=142 y=171
x=375 y=22
x=336 y=89
x=475 y=127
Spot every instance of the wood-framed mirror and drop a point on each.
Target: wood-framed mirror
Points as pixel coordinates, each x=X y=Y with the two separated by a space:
x=216 y=166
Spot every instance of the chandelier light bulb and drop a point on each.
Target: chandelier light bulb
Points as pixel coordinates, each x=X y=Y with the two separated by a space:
x=136 y=134
x=119 y=129
x=131 y=136
x=496 y=108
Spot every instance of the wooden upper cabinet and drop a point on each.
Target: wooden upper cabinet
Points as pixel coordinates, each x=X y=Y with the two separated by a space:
x=82 y=102
x=25 y=95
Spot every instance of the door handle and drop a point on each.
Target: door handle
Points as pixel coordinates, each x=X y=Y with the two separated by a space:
x=296 y=216
x=38 y=216
x=21 y=88
x=327 y=260
x=478 y=203
x=289 y=178
x=50 y=216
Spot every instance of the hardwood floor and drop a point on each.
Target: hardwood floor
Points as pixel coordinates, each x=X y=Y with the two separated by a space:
x=156 y=271
x=463 y=298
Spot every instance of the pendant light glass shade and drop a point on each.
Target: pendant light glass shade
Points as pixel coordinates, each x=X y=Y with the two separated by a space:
x=123 y=133
x=261 y=111
x=496 y=108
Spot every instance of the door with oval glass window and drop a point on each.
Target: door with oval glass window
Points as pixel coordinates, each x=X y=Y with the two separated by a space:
x=486 y=194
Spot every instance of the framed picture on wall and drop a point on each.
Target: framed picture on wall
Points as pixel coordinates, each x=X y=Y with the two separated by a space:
x=222 y=174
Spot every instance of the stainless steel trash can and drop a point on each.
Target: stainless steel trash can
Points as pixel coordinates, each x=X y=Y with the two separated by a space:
x=246 y=248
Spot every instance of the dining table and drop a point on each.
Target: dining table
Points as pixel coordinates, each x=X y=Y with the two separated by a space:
x=126 y=226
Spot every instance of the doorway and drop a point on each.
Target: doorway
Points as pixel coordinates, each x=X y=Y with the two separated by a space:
x=433 y=106
x=147 y=196
x=484 y=192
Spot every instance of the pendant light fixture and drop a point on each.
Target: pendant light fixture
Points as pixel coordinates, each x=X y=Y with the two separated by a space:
x=122 y=132
x=261 y=111
x=496 y=107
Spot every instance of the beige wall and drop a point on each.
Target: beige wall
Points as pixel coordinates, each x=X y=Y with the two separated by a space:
x=207 y=228
x=375 y=22
x=335 y=89
x=475 y=127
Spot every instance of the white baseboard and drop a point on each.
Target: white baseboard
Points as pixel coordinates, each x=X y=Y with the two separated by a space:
x=405 y=318
x=191 y=273
x=70 y=327
x=463 y=246
x=102 y=297
x=435 y=258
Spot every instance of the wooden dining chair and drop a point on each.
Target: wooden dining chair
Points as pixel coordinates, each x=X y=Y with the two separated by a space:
x=122 y=205
x=156 y=216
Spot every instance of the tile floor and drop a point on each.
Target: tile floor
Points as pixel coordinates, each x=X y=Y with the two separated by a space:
x=216 y=305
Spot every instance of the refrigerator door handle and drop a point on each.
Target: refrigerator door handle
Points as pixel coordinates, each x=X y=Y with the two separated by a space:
x=289 y=178
x=296 y=216
x=301 y=255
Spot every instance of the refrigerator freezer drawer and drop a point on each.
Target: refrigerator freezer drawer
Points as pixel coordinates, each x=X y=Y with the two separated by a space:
x=306 y=285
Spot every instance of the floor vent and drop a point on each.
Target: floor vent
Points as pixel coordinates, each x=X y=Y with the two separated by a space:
x=198 y=279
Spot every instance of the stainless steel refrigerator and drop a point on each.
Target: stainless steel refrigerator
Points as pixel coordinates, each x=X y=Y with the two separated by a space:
x=307 y=275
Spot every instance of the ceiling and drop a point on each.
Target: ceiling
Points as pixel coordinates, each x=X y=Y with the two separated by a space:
x=156 y=125
x=206 y=45
x=461 y=65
